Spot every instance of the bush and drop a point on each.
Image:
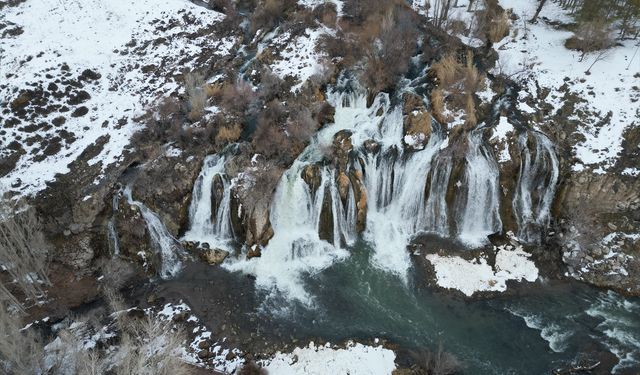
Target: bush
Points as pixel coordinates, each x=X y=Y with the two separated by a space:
x=389 y=54
x=270 y=13
x=196 y=95
x=590 y=37
x=436 y=363
x=21 y=351
x=498 y=28
x=228 y=134
x=237 y=98
x=23 y=251
x=326 y=13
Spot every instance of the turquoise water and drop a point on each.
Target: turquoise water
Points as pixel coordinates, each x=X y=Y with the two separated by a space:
x=533 y=332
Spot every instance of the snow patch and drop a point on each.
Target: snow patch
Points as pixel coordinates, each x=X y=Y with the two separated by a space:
x=355 y=359
x=471 y=276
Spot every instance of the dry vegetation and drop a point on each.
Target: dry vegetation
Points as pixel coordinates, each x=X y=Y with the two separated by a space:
x=457 y=82
x=436 y=362
x=24 y=254
x=145 y=345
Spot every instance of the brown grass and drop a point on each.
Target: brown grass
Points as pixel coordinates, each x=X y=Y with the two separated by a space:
x=437 y=105
x=498 y=28
x=228 y=134
x=447 y=69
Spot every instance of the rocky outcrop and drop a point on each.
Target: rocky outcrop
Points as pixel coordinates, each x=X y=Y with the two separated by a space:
x=133 y=236
x=311 y=175
x=165 y=185
x=599 y=229
x=342 y=147
x=360 y=192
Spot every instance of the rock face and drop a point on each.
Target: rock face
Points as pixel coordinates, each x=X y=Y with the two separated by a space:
x=599 y=230
x=133 y=236
x=72 y=209
x=165 y=186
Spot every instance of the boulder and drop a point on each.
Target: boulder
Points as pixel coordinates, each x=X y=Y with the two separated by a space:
x=342 y=146
x=311 y=175
x=343 y=185
x=214 y=256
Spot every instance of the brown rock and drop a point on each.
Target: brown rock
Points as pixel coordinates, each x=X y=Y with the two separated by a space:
x=214 y=256
x=343 y=185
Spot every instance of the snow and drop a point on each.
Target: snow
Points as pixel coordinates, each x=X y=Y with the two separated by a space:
x=314 y=3
x=299 y=59
x=500 y=132
x=96 y=35
x=355 y=359
x=537 y=54
x=471 y=276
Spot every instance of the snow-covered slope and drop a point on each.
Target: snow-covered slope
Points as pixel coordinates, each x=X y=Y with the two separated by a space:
x=535 y=53
x=80 y=71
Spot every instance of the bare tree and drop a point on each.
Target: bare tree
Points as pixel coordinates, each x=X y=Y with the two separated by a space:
x=24 y=250
x=21 y=350
x=538 y=10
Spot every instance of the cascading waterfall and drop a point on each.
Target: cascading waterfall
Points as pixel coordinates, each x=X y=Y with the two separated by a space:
x=112 y=233
x=407 y=194
x=166 y=246
x=480 y=216
x=210 y=218
x=296 y=247
x=436 y=213
x=396 y=187
x=536 y=186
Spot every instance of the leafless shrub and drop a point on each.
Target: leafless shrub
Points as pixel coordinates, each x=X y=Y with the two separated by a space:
x=237 y=98
x=196 y=95
x=150 y=347
x=270 y=86
x=23 y=250
x=590 y=37
x=390 y=51
x=270 y=13
x=437 y=363
x=21 y=351
x=326 y=13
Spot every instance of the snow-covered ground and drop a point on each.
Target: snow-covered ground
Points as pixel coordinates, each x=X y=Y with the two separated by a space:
x=471 y=276
x=133 y=48
x=355 y=359
x=535 y=53
x=298 y=57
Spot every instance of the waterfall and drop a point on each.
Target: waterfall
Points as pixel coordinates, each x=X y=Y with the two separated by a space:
x=396 y=189
x=210 y=216
x=407 y=193
x=536 y=186
x=112 y=233
x=436 y=213
x=166 y=246
x=480 y=216
x=296 y=248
